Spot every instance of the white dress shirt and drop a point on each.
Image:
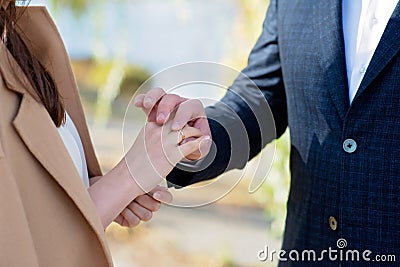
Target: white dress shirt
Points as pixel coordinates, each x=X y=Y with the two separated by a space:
x=69 y=134
x=364 y=22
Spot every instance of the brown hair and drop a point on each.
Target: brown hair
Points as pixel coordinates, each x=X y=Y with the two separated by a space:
x=39 y=78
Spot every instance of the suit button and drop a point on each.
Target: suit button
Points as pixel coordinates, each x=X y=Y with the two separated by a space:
x=333 y=223
x=350 y=146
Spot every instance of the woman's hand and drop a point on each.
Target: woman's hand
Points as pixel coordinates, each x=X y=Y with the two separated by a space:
x=143 y=207
x=153 y=155
x=158 y=149
x=158 y=105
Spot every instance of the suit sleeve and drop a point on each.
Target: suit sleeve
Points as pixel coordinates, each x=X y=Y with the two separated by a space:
x=251 y=114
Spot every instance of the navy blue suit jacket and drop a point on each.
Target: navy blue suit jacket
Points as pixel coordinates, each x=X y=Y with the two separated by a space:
x=298 y=65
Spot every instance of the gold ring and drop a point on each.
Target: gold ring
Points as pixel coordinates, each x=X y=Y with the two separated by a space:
x=182 y=136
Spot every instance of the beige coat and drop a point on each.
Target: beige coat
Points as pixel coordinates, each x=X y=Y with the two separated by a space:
x=46 y=216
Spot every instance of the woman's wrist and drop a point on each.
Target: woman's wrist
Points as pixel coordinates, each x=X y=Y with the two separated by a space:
x=113 y=192
x=123 y=177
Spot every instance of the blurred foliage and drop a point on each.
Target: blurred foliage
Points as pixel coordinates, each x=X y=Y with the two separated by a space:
x=77 y=6
x=274 y=192
x=94 y=75
x=247 y=27
x=110 y=79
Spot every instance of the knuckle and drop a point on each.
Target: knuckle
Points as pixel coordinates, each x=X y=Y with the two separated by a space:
x=194 y=103
x=197 y=102
x=170 y=96
x=157 y=89
x=139 y=97
x=192 y=106
x=169 y=101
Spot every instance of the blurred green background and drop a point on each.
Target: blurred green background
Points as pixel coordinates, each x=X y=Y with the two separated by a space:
x=117 y=45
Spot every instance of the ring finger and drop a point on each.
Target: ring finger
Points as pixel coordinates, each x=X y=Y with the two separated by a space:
x=186 y=133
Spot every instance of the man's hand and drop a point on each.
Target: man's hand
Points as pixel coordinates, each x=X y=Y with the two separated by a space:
x=158 y=106
x=142 y=208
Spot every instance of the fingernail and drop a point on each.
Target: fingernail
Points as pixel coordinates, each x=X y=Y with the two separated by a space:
x=161 y=117
x=157 y=207
x=207 y=137
x=147 y=216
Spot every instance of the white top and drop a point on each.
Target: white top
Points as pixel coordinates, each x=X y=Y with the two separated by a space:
x=69 y=134
x=364 y=22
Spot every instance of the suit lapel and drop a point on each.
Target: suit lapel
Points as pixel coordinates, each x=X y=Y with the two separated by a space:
x=328 y=29
x=388 y=47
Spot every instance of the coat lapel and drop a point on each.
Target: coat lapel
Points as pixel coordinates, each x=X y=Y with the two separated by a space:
x=328 y=30
x=41 y=137
x=36 y=129
x=388 y=47
x=44 y=41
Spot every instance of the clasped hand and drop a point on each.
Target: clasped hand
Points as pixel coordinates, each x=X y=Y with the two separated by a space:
x=171 y=118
